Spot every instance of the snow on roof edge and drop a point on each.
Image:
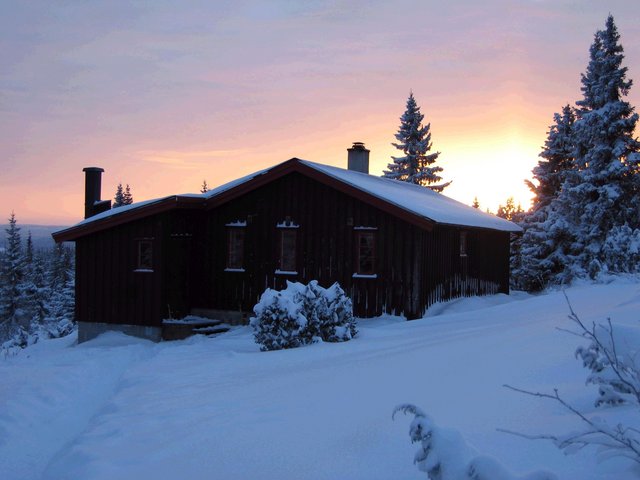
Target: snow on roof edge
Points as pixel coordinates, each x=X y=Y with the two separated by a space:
x=451 y=212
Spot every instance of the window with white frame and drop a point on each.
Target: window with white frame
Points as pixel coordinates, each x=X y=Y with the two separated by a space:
x=365 y=252
x=288 y=243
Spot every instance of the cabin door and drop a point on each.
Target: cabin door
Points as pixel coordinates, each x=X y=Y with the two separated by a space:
x=179 y=275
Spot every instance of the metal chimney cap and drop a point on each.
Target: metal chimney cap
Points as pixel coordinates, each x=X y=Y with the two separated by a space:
x=93 y=169
x=358 y=146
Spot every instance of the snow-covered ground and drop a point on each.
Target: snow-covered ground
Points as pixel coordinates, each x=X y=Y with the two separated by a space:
x=218 y=408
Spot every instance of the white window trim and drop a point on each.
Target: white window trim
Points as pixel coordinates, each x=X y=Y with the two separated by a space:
x=285 y=272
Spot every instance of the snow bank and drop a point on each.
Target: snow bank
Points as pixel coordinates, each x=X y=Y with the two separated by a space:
x=207 y=408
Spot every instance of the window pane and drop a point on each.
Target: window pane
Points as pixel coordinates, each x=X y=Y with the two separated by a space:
x=288 y=250
x=463 y=243
x=366 y=252
x=235 y=257
x=145 y=255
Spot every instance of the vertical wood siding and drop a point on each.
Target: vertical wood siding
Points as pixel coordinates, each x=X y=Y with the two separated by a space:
x=414 y=268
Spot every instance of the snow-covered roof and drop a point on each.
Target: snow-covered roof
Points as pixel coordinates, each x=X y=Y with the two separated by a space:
x=418 y=200
x=414 y=199
x=134 y=206
x=120 y=210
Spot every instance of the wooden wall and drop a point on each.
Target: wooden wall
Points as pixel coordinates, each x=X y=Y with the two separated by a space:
x=414 y=267
x=108 y=289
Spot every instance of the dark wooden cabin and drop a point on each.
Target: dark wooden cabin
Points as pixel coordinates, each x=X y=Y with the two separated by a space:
x=394 y=247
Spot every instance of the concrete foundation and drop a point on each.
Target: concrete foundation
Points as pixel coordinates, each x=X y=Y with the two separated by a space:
x=89 y=330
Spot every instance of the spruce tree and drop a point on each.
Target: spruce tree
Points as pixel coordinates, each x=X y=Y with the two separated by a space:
x=204 y=188
x=510 y=211
x=557 y=157
x=12 y=271
x=127 y=198
x=118 y=199
x=540 y=253
x=28 y=252
x=591 y=224
x=600 y=201
x=414 y=140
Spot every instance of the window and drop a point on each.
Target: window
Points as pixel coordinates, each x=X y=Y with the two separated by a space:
x=366 y=250
x=145 y=255
x=463 y=244
x=235 y=249
x=288 y=240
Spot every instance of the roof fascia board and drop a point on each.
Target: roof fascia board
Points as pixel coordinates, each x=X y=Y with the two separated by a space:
x=75 y=232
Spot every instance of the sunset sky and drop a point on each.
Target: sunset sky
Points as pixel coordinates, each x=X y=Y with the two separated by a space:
x=164 y=94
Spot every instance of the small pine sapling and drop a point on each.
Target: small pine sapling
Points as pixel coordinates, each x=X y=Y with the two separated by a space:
x=118 y=199
x=127 y=198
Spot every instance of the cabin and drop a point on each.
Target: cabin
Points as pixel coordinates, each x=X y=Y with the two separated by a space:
x=394 y=247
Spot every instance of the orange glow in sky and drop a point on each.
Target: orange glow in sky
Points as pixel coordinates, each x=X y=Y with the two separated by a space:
x=162 y=96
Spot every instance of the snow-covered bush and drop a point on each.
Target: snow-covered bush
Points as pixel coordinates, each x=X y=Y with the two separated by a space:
x=444 y=455
x=280 y=320
x=330 y=312
x=302 y=314
x=338 y=325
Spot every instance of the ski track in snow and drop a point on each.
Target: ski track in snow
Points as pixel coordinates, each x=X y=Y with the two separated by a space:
x=203 y=408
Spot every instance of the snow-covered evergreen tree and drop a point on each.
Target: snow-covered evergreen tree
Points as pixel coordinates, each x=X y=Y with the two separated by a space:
x=62 y=284
x=127 y=198
x=541 y=252
x=414 y=140
x=600 y=201
x=12 y=314
x=557 y=157
x=28 y=252
x=118 y=199
x=585 y=218
x=12 y=271
x=36 y=292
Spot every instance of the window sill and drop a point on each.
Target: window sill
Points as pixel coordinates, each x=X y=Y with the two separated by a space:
x=285 y=272
x=143 y=270
x=240 y=270
x=363 y=275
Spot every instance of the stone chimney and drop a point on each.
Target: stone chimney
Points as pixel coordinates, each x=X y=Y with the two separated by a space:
x=358 y=158
x=92 y=192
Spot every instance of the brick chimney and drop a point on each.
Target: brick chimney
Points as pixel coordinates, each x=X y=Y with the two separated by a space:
x=358 y=158
x=92 y=187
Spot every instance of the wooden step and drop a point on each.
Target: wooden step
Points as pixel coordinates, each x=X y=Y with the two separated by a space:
x=173 y=329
